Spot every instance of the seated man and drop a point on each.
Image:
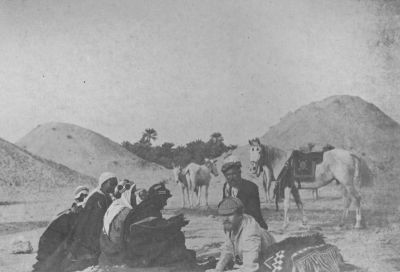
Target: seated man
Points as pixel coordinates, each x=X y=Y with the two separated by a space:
x=58 y=229
x=246 y=242
x=152 y=240
x=243 y=189
x=112 y=237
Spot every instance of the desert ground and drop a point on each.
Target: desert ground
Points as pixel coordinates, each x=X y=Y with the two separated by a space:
x=376 y=247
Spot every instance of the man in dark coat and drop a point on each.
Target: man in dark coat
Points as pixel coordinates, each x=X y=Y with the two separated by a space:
x=58 y=230
x=243 y=189
x=152 y=240
x=83 y=245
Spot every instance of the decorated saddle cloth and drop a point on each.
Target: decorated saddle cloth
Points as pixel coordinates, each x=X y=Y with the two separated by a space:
x=304 y=164
x=302 y=254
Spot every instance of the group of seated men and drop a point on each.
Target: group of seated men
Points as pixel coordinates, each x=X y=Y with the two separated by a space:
x=108 y=225
x=118 y=224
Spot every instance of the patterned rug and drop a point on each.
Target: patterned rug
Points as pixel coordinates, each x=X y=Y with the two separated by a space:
x=303 y=254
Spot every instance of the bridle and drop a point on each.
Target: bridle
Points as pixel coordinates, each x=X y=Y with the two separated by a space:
x=257 y=164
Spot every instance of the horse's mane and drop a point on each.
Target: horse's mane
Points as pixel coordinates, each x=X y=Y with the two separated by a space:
x=270 y=154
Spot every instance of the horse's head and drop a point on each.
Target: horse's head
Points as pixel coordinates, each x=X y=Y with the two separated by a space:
x=256 y=150
x=212 y=165
x=177 y=170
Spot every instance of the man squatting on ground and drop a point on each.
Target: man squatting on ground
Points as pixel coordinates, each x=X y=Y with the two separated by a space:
x=245 y=243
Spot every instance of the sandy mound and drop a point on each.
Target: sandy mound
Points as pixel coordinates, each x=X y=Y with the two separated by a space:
x=19 y=168
x=87 y=152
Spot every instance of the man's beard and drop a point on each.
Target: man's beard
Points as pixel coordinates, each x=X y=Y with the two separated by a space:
x=227 y=227
x=234 y=183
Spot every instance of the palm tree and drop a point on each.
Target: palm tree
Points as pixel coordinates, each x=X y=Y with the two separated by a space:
x=216 y=137
x=149 y=135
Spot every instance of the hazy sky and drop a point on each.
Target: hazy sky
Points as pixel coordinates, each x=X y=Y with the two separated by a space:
x=186 y=68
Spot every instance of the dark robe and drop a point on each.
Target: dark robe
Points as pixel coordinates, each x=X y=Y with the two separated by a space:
x=56 y=232
x=248 y=194
x=84 y=243
x=155 y=242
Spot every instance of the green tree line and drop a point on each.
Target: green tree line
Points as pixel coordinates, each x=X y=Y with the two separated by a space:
x=168 y=154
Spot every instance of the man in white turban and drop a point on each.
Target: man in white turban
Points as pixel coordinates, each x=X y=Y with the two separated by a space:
x=112 y=236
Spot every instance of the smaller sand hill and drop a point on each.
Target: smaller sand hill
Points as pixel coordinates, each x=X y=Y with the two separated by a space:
x=22 y=169
x=89 y=152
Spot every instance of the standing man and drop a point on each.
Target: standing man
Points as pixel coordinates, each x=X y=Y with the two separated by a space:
x=84 y=244
x=243 y=189
x=245 y=243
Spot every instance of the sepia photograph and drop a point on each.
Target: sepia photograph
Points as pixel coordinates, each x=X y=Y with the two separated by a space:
x=199 y=136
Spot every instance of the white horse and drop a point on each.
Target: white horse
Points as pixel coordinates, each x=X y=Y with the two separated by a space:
x=199 y=176
x=337 y=164
x=181 y=180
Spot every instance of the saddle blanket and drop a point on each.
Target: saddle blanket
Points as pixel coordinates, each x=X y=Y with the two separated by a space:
x=304 y=165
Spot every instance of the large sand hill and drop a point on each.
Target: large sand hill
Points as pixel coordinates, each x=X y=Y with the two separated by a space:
x=347 y=122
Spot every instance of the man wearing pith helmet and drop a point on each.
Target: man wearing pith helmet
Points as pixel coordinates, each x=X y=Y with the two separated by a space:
x=245 y=243
x=246 y=191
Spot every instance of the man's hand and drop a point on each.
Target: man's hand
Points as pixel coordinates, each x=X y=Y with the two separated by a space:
x=179 y=220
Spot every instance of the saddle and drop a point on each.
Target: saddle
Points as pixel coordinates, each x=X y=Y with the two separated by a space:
x=304 y=164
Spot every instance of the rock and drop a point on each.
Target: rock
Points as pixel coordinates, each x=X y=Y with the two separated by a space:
x=21 y=246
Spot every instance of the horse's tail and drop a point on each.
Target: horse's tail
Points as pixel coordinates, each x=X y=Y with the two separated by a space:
x=196 y=190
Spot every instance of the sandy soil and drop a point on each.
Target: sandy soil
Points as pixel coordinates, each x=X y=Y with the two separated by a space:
x=374 y=248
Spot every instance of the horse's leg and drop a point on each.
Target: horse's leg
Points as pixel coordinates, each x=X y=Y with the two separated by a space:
x=191 y=198
x=190 y=190
x=299 y=204
x=357 y=198
x=265 y=184
x=286 y=205
x=346 y=205
x=183 y=195
x=206 y=194
x=314 y=194
x=278 y=194
x=199 y=195
x=268 y=181
x=187 y=195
